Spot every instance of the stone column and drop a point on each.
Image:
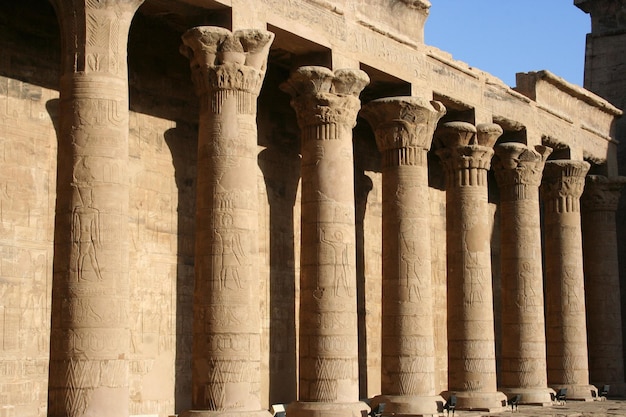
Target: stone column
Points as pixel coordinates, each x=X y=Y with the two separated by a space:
x=523 y=366
x=566 y=326
x=602 y=287
x=326 y=104
x=90 y=333
x=466 y=157
x=228 y=71
x=404 y=127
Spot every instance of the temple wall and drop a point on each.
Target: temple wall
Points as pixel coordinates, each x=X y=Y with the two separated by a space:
x=162 y=165
x=27 y=204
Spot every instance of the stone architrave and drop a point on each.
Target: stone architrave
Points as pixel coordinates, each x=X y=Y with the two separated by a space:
x=466 y=156
x=90 y=335
x=602 y=288
x=326 y=104
x=228 y=69
x=566 y=332
x=518 y=171
x=404 y=128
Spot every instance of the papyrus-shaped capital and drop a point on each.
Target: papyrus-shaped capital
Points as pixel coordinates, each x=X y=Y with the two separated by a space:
x=516 y=163
x=401 y=122
x=602 y=193
x=487 y=134
x=223 y=60
x=454 y=134
x=564 y=178
x=321 y=96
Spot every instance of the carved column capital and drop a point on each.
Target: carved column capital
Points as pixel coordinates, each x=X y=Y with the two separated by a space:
x=324 y=97
x=95 y=34
x=518 y=168
x=602 y=193
x=467 y=148
x=225 y=60
x=403 y=126
x=563 y=184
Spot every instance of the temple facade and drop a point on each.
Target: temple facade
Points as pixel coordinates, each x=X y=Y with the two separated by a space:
x=225 y=207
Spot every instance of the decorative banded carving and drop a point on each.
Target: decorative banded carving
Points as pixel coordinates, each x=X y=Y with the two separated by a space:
x=563 y=184
x=324 y=99
x=519 y=169
x=326 y=105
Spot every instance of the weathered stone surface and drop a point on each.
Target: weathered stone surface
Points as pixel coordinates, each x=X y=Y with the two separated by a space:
x=90 y=338
x=566 y=327
x=228 y=69
x=153 y=191
x=599 y=204
x=523 y=365
x=471 y=339
x=326 y=104
x=404 y=128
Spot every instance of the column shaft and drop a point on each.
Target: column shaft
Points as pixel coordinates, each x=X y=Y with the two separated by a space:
x=471 y=338
x=566 y=326
x=523 y=365
x=602 y=288
x=404 y=128
x=228 y=71
x=326 y=104
x=90 y=336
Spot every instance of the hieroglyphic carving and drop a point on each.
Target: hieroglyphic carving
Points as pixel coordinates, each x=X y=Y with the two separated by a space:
x=91 y=343
x=566 y=334
x=518 y=171
x=404 y=128
x=228 y=69
x=602 y=285
x=326 y=105
x=97 y=34
x=466 y=156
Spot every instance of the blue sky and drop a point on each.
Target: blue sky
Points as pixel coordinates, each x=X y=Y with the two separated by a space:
x=503 y=37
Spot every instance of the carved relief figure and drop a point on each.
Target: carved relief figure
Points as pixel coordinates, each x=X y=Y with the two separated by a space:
x=476 y=281
x=412 y=260
x=229 y=252
x=86 y=233
x=570 y=289
x=341 y=264
x=526 y=294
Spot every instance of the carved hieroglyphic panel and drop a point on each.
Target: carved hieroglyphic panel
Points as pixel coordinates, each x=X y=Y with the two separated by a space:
x=159 y=223
x=27 y=184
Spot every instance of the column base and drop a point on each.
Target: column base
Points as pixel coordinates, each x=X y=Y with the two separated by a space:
x=531 y=396
x=224 y=413
x=490 y=402
x=410 y=405
x=320 y=409
x=617 y=389
x=576 y=392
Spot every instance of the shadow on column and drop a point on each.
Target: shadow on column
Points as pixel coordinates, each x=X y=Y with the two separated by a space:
x=182 y=142
x=281 y=171
x=366 y=158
